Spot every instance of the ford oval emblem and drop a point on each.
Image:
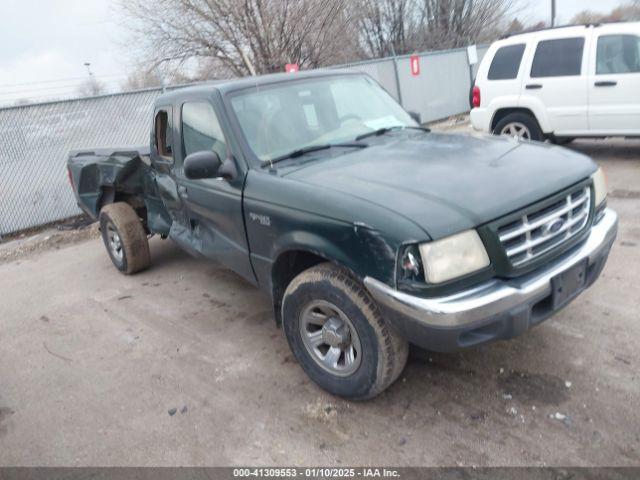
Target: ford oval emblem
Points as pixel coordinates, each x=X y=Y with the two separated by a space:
x=553 y=226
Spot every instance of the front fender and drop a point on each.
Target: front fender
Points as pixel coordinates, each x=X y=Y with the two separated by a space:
x=359 y=248
x=286 y=216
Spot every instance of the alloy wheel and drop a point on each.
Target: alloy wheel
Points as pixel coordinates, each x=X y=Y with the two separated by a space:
x=516 y=130
x=115 y=243
x=330 y=338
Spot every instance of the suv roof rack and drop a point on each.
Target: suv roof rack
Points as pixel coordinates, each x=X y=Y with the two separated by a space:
x=534 y=30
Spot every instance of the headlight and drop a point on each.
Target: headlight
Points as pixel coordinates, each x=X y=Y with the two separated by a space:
x=453 y=257
x=599 y=186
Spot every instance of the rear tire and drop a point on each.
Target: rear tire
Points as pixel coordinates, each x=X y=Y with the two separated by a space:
x=338 y=335
x=124 y=237
x=520 y=125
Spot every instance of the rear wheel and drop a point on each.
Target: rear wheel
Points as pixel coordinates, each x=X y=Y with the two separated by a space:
x=519 y=125
x=338 y=335
x=124 y=237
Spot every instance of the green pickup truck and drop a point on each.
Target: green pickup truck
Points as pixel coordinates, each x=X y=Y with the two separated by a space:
x=368 y=231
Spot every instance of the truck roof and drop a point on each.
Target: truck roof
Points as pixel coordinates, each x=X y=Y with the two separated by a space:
x=230 y=85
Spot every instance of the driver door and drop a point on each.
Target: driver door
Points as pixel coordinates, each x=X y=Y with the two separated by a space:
x=214 y=205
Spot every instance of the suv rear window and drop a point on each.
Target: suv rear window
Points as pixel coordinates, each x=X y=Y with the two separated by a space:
x=506 y=62
x=558 y=58
x=618 y=54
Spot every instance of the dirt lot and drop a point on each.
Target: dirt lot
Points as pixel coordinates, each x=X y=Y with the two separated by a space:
x=93 y=363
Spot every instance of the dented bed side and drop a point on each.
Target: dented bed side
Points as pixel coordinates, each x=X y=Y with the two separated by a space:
x=107 y=175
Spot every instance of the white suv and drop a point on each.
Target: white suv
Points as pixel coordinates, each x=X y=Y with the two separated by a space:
x=561 y=83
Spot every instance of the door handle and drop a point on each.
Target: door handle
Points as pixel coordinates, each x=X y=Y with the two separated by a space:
x=533 y=86
x=606 y=84
x=182 y=191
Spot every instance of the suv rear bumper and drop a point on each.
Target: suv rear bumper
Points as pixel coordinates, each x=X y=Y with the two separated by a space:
x=481 y=119
x=497 y=309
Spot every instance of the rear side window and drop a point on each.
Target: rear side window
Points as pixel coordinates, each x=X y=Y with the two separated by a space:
x=618 y=54
x=163 y=133
x=558 y=58
x=506 y=62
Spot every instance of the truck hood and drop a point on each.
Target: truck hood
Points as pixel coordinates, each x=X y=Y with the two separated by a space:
x=448 y=183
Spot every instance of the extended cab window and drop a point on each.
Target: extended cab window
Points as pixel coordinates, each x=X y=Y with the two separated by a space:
x=618 y=54
x=558 y=58
x=506 y=62
x=163 y=133
x=201 y=129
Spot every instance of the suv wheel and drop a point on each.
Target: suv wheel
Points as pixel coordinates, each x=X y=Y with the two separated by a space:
x=124 y=237
x=337 y=334
x=519 y=125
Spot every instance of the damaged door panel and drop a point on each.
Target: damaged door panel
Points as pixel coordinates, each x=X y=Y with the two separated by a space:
x=213 y=205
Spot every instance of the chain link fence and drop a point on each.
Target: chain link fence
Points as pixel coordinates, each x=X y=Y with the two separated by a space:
x=35 y=139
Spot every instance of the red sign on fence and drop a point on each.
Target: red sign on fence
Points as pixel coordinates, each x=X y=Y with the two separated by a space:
x=414 y=62
x=291 y=67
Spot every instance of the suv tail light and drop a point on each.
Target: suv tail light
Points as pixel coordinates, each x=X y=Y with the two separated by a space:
x=70 y=176
x=475 y=98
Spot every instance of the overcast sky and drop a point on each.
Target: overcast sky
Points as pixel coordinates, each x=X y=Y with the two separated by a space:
x=45 y=43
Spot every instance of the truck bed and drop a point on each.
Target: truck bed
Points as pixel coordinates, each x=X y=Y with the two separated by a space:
x=108 y=172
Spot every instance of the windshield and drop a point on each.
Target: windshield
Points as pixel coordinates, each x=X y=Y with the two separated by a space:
x=289 y=116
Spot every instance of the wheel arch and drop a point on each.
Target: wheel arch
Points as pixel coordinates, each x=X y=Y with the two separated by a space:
x=503 y=112
x=294 y=257
x=288 y=265
x=526 y=104
x=109 y=194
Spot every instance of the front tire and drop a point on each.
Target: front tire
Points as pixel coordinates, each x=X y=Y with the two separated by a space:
x=338 y=335
x=519 y=125
x=124 y=237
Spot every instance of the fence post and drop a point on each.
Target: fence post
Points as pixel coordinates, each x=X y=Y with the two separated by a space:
x=397 y=75
x=472 y=60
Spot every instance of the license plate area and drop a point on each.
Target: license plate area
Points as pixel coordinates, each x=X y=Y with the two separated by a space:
x=568 y=284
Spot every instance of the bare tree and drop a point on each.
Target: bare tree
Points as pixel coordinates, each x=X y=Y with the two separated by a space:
x=587 y=16
x=240 y=37
x=515 y=26
x=142 y=79
x=387 y=27
x=627 y=12
x=456 y=23
x=91 y=87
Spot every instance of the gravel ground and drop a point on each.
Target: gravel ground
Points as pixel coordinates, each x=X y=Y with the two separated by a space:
x=183 y=365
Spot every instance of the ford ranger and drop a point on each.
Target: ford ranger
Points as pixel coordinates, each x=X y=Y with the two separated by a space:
x=368 y=231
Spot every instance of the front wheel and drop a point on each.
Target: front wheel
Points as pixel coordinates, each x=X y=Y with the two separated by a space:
x=337 y=334
x=519 y=125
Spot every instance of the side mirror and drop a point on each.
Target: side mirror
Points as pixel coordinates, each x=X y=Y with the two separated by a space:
x=416 y=116
x=205 y=164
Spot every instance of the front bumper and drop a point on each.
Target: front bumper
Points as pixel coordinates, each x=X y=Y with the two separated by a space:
x=497 y=309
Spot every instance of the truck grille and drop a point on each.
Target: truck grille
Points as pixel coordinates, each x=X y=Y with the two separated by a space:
x=538 y=232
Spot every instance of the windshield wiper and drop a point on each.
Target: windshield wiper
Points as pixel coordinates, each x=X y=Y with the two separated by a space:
x=383 y=130
x=312 y=148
